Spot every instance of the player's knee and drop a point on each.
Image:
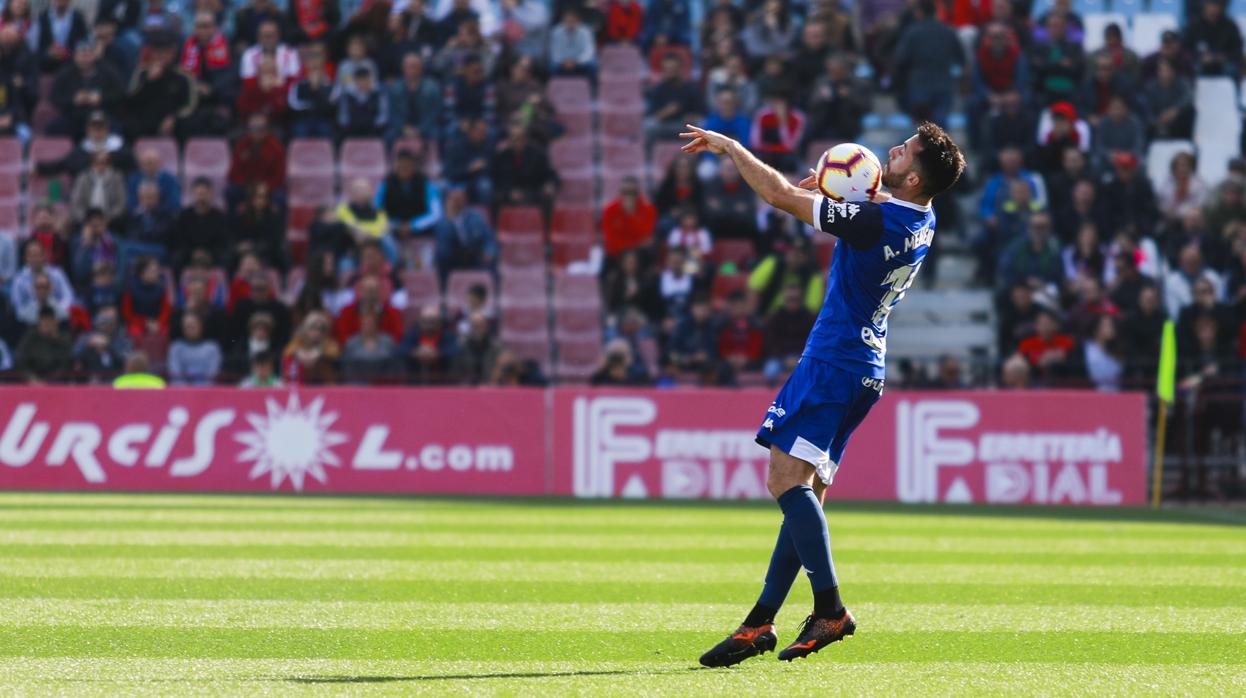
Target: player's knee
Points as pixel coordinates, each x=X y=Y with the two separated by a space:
x=780 y=479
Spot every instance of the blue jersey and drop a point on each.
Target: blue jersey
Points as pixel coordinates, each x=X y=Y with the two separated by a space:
x=881 y=248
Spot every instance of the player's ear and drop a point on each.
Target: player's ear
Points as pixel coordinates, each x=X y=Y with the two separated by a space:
x=913 y=180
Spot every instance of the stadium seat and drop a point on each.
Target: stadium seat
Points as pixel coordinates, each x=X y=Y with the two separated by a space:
x=10 y=188
x=739 y=252
x=1095 y=23
x=1130 y=9
x=362 y=157
x=576 y=323
x=1217 y=138
x=573 y=222
x=170 y=158
x=537 y=349
x=610 y=184
x=524 y=322
x=521 y=220
x=623 y=96
x=460 y=282
x=620 y=58
x=660 y=157
x=206 y=157
x=310 y=190
x=310 y=156
x=623 y=159
x=1173 y=8
x=422 y=288
x=524 y=288
x=579 y=191
x=43 y=149
x=1148 y=30
x=572 y=157
x=570 y=94
x=10 y=155
x=521 y=251
x=1159 y=157
x=567 y=250
x=578 y=359
x=576 y=124
x=1085 y=7
x=625 y=126
x=157 y=349
x=10 y=219
x=574 y=290
x=45 y=113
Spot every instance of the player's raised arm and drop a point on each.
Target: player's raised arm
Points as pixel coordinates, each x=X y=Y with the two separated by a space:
x=769 y=184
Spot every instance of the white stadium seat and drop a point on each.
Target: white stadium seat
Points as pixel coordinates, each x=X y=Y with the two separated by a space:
x=1147 y=30
x=1217 y=126
x=1159 y=156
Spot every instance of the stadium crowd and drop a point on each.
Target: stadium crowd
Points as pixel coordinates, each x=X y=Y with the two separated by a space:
x=191 y=219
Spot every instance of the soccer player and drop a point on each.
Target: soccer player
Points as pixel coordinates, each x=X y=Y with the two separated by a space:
x=840 y=373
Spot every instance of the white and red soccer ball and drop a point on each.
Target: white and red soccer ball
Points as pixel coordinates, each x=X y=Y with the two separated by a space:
x=849 y=172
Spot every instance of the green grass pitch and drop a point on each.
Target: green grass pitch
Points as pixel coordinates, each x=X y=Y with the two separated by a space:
x=193 y=595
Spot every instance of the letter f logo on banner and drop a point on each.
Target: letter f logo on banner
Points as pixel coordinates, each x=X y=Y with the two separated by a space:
x=921 y=451
x=598 y=447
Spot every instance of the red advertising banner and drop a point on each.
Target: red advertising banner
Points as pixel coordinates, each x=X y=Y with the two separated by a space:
x=334 y=440
x=1049 y=448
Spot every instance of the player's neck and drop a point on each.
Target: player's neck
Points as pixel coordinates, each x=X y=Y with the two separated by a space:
x=910 y=200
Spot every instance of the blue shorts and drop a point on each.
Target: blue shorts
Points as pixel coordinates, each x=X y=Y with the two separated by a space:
x=816 y=411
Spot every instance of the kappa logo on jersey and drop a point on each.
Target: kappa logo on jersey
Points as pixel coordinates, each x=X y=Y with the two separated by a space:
x=776 y=410
x=768 y=424
x=841 y=209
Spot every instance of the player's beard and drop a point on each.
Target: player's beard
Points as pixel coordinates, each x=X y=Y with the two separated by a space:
x=893 y=180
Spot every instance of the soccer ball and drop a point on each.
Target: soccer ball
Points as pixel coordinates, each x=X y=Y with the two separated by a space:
x=849 y=172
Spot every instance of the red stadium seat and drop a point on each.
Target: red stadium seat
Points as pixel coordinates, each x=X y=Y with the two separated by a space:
x=623 y=96
x=524 y=322
x=422 y=289
x=572 y=157
x=566 y=250
x=610 y=184
x=10 y=219
x=363 y=157
x=569 y=94
x=521 y=220
x=459 y=283
x=43 y=149
x=740 y=252
x=310 y=190
x=660 y=157
x=578 y=359
x=576 y=290
x=532 y=349
x=10 y=187
x=576 y=124
x=310 y=156
x=623 y=159
x=576 y=323
x=522 y=251
x=626 y=126
x=573 y=221
x=523 y=289
x=620 y=58
x=206 y=157
x=157 y=349
x=170 y=158
x=10 y=155
x=578 y=191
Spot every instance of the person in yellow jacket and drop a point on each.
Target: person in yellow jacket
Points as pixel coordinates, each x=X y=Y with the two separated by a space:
x=364 y=219
x=795 y=266
x=136 y=374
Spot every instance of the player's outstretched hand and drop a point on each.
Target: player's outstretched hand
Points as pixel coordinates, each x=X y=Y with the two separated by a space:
x=705 y=141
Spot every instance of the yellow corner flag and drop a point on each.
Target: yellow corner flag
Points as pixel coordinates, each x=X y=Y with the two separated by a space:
x=1166 y=385
x=1166 y=390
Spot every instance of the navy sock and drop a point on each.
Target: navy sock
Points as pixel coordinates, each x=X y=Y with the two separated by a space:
x=784 y=566
x=806 y=524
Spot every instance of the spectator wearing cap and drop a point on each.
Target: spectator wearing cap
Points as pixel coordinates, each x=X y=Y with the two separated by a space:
x=362 y=109
x=1128 y=199
x=1119 y=131
x=81 y=87
x=464 y=239
x=1215 y=40
x=160 y=97
x=267 y=94
x=55 y=35
x=101 y=187
x=627 y=223
x=269 y=45
x=312 y=99
x=1057 y=60
x=672 y=101
x=415 y=102
x=257 y=156
x=1063 y=130
x=1033 y=258
x=927 y=59
x=151 y=169
x=572 y=50
x=207 y=59
x=1123 y=59
x=99 y=138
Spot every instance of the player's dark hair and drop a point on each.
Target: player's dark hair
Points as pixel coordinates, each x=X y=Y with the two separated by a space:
x=940 y=160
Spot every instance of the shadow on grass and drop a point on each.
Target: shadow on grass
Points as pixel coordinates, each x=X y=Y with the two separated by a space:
x=317 y=680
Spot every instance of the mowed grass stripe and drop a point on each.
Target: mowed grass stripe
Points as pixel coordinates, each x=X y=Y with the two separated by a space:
x=525 y=644
x=888 y=617
x=108 y=676
x=758 y=555
x=569 y=538
x=691 y=591
x=616 y=572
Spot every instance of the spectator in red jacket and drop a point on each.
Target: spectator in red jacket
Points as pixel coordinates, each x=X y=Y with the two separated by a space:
x=624 y=20
x=740 y=340
x=266 y=94
x=145 y=305
x=1050 y=351
x=777 y=131
x=370 y=302
x=257 y=157
x=627 y=222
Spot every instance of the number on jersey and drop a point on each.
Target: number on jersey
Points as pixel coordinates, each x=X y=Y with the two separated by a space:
x=897 y=284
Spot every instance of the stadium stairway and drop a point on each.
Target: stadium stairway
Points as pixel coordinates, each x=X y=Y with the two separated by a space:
x=934 y=322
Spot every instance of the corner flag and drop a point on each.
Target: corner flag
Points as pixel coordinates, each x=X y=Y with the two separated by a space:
x=1166 y=383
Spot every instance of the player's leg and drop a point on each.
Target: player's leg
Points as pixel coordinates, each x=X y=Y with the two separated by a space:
x=791 y=481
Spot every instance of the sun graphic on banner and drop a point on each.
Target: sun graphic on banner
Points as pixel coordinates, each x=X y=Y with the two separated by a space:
x=291 y=442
